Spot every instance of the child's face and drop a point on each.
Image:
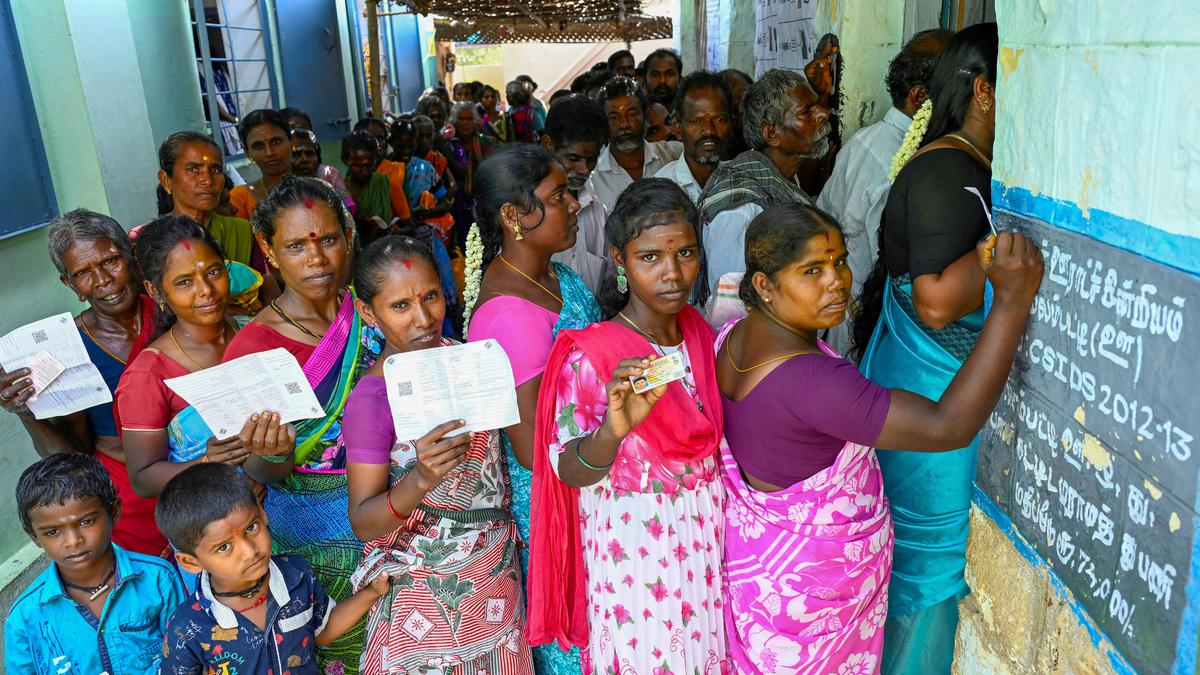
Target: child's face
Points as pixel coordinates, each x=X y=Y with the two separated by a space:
x=75 y=534
x=235 y=550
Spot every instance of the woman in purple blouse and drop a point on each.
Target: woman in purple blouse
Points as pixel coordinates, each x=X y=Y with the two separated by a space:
x=808 y=535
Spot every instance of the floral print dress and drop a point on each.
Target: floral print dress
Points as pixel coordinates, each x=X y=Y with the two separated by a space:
x=652 y=546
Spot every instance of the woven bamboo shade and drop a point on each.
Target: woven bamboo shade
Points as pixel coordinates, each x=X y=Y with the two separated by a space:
x=492 y=31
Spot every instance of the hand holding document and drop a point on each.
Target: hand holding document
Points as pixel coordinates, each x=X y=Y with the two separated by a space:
x=472 y=382
x=64 y=378
x=228 y=394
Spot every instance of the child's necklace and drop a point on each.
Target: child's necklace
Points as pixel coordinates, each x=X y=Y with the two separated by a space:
x=256 y=604
x=93 y=591
x=245 y=592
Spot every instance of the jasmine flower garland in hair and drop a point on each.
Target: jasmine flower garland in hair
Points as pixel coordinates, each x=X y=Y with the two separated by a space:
x=912 y=139
x=474 y=274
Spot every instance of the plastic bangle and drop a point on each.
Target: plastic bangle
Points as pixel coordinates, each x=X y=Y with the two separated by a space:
x=274 y=459
x=391 y=509
x=588 y=464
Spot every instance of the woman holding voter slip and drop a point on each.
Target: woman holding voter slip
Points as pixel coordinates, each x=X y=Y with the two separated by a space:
x=627 y=500
x=302 y=229
x=185 y=275
x=433 y=510
x=524 y=214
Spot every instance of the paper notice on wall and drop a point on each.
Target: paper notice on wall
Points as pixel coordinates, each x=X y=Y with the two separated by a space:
x=228 y=394
x=64 y=377
x=472 y=382
x=785 y=34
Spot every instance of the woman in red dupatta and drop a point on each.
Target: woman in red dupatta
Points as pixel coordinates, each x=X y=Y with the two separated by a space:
x=627 y=499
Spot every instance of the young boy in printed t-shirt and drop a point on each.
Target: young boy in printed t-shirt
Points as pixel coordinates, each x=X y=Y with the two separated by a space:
x=98 y=608
x=252 y=612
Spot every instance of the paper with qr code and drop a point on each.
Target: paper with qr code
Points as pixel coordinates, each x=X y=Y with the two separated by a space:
x=227 y=394
x=661 y=371
x=472 y=382
x=78 y=386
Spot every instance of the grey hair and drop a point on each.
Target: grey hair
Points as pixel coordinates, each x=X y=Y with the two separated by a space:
x=622 y=86
x=519 y=90
x=464 y=105
x=768 y=101
x=85 y=225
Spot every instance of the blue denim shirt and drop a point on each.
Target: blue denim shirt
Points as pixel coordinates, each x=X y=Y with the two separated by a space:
x=206 y=636
x=48 y=633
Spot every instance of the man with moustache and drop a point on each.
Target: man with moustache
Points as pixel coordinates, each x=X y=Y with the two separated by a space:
x=628 y=156
x=621 y=62
x=784 y=125
x=576 y=132
x=663 y=70
x=703 y=120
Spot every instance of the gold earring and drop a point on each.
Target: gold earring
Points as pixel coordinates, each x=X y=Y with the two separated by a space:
x=985 y=106
x=168 y=190
x=516 y=228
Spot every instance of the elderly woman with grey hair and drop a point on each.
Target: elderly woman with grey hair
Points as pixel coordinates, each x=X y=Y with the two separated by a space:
x=468 y=147
x=94 y=258
x=784 y=125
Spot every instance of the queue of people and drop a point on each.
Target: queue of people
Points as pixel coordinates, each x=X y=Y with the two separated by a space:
x=739 y=519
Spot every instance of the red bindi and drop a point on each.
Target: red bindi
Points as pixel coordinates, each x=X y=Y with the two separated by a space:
x=407 y=264
x=187 y=245
x=826 y=233
x=312 y=235
x=308 y=202
x=829 y=250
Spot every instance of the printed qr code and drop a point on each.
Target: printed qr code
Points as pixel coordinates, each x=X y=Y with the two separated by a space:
x=292 y=387
x=39 y=336
x=404 y=389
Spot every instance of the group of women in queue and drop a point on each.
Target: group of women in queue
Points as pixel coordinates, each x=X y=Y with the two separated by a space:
x=732 y=521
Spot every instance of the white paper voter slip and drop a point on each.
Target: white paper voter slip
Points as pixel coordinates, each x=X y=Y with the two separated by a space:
x=472 y=382
x=44 y=347
x=228 y=394
x=43 y=370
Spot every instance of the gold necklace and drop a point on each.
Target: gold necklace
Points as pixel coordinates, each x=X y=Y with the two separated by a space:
x=649 y=338
x=957 y=137
x=769 y=315
x=183 y=351
x=533 y=281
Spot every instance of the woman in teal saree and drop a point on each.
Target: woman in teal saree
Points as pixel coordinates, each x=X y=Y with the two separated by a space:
x=922 y=313
x=522 y=300
x=303 y=231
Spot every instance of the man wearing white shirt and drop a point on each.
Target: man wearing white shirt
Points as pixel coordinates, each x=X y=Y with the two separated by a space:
x=857 y=191
x=785 y=125
x=628 y=156
x=704 y=123
x=576 y=130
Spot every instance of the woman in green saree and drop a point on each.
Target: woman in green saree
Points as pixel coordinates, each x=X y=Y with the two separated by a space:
x=371 y=191
x=302 y=229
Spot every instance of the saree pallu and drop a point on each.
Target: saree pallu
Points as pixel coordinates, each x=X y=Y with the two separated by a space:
x=579 y=310
x=929 y=493
x=309 y=510
x=807 y=569
x=455 y=605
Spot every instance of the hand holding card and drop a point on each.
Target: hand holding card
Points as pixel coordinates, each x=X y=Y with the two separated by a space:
x=661 y=371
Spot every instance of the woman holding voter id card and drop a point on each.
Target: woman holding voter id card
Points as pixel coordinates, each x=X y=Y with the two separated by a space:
x=433 y=510
x=627 y=498
x=305 y=233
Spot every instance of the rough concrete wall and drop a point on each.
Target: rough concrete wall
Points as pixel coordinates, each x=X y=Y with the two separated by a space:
x=870 y=33
x=1016 y=621
x=1093 y=135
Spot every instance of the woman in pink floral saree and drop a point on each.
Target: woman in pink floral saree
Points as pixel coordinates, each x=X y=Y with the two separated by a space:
x=808 y=534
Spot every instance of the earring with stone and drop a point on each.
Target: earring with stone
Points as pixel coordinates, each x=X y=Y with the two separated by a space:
x=622 y=280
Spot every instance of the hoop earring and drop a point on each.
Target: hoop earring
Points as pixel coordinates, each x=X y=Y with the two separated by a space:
x=622 y=280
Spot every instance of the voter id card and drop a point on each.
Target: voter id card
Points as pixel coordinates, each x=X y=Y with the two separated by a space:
x=660 y=371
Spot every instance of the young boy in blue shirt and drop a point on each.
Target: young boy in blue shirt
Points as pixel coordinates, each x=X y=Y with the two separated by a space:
x=98 y=608
x=252 y=612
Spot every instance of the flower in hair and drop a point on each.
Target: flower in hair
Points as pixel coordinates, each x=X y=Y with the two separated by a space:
x=912 y=139
x=474 y=274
